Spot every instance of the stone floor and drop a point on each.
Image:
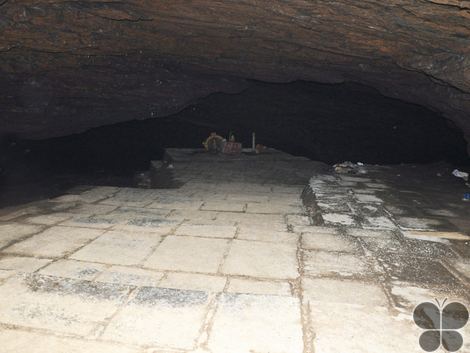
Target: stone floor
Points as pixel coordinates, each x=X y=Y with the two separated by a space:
x=235 y=260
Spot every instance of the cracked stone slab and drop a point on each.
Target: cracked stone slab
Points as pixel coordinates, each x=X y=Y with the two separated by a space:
x=61 y=305
x=266 y=234
x=364 y=329
x=22 y=264
x=329 y=242
x=327 y=290
x=204 y=230
x=16 y=341
x=224 y=206
x=251 y=286
x=257 y=323
x=55 y=242
x=422 y=272
x=49 y=219
x=191 y=281
x=119 y=248
x=73 y=269
x=385 y=245
x=338 y=219
x=131 y=276
x=380 y=222
x=322 y=263
x=359 y=232
x=13 y=213
x=11 y=232
x=273 y=208
x=176 y=204
x=148 y=225
x=408 y=296
x=259 y=259
x=364 y=198
x=190 y=254
x=160 y=317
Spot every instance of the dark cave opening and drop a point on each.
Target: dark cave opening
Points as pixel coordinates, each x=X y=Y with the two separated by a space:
x=328 y=123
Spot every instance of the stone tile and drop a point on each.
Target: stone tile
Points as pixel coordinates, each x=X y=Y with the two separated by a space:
x=224 y=206
x=329 y=242
x=257 y=259
x=4 y=274
x=181 y=253
x=380 y=222
x=325 y=290
x=204 y=230
x=73 y=269
x=259 y=220
x=11 y=232
x=252 y=197
x=272 y=207
x=266 y=234
x=176 y=204
x=22 y=264
x=49 y=219
x=120 y=248
x=338 y=219
x=385 y=245
x=358 y=232
x=355 y=179
x=249 y=286
x=16 y=341
x=156 y=227
x=321 y=263
x=256 y=323
x=406 y=296
x=193 y=216
x=319 y=229
x=364 y=329
x=55 y=242
x=131 y=276
x=190 y=281
x=160 y=317
x=92 y=209
x=61 y=305
x=362 y=198
x=86 y=221
x=10 y=214
x=421 y=272
x=298 y=220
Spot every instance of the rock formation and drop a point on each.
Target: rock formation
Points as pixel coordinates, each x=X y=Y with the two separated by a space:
x=66 y=66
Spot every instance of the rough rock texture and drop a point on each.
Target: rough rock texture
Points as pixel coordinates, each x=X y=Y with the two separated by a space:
x=69 y=65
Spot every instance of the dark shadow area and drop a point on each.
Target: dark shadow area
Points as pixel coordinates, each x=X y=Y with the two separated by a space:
x=329 y=123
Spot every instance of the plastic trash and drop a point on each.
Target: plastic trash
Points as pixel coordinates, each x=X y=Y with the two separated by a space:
x=459 y=174
x=466 y=196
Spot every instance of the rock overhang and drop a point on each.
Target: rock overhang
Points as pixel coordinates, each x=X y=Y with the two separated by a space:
x=70 y=65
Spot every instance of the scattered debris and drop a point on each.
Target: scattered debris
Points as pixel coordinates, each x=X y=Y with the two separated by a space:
x=459 y=174
x=466 y=196
x=232 y=147
x=260 y=148
x=214 y=143
x=350 y=168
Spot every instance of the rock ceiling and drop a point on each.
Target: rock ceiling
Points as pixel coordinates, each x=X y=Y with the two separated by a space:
x=66 y=66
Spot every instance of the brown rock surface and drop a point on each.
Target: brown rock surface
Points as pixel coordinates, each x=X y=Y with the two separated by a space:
x=69 y=65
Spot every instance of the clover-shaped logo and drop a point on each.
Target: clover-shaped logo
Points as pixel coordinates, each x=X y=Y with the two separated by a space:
x=441 y=324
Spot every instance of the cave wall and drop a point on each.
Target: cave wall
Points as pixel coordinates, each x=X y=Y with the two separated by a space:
x=66 y=66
